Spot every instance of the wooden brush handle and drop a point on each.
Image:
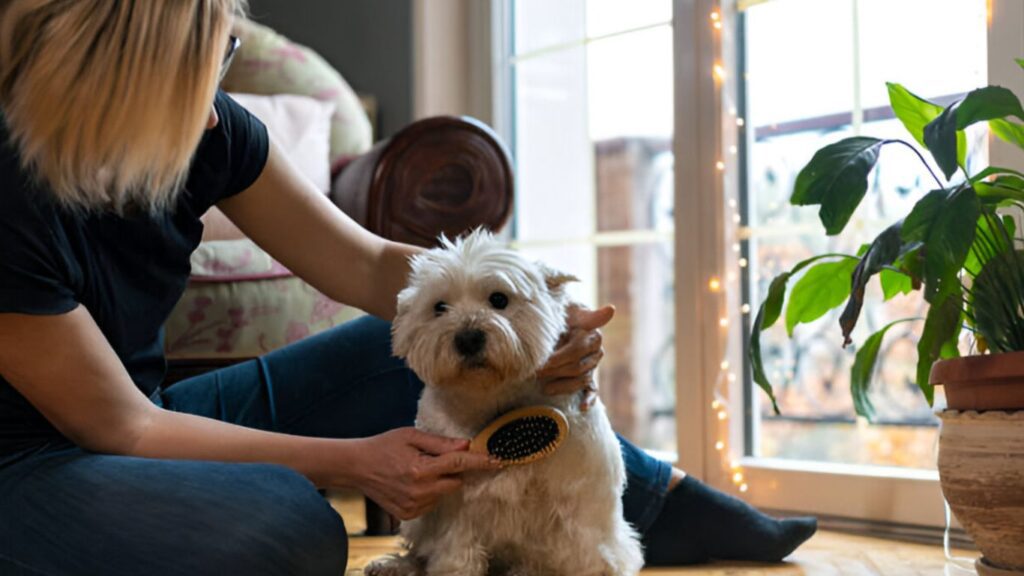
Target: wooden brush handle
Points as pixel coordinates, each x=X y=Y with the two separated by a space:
x=479 y=442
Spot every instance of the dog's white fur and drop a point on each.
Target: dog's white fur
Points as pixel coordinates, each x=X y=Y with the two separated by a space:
x=559 y=516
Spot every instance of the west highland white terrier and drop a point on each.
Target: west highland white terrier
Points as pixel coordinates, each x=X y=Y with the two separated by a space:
x=476 y=323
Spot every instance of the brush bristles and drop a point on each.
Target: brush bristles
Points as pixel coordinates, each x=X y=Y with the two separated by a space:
x=523 y=436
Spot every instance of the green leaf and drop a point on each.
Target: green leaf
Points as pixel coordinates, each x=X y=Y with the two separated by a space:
x=894 y=283
x=1020 y=62
x=997 y=301
x=944 y=220
x=916 y=112
x=864 y=368
x=982 y=252
x=882 y=252
x=1000 y=192
x=911 y=263
x=940 y=135
x=836 y=179
x=821 y=289
x=938 y=340
x=993 y=171
x=756 y=361
x=767 y=314
x=1008 y=131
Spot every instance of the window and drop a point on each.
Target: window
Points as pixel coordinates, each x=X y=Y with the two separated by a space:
x=656 y=143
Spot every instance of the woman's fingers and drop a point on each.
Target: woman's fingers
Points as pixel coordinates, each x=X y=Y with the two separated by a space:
x=454 y=463
x=434 y=444
x=566 y=360
x=570 y=385
x=587 y=319
x=578 y=369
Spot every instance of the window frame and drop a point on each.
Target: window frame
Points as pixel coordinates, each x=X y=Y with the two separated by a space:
x=867 y=493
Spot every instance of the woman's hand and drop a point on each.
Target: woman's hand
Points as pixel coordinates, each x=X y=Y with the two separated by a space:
x=571 y=367
x=407 y=471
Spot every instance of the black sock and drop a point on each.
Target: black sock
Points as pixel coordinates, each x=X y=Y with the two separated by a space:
x=699 y=523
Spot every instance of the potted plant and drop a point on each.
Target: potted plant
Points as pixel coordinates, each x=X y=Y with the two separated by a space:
x=961 y=248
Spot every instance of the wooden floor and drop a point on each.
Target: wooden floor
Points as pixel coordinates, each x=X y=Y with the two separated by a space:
x=828 y=553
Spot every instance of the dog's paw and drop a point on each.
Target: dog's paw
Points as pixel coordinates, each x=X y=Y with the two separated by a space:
x=393 y=566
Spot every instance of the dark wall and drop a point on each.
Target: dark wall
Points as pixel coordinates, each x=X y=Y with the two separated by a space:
x=368 y=41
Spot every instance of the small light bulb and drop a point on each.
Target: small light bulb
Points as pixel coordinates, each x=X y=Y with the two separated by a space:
x=715 y=404
x=734 y=464
x=745 y=308
x=732 y=376
x=736 y=247
x=723 y=322
x=717 y=25
x=733 y=150
x=736 y=218
x=744 y=487
x=725 y=365
x=722 y=415
x=719 y=71
x=720 y=165
x=737 y=477
x=714 y=284
x=743 y=262
x=719 y=445
x=739 y=122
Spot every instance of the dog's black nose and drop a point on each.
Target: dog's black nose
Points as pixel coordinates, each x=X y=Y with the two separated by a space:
x=470 y=342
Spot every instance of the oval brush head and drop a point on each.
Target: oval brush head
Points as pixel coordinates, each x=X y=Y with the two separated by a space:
x=523 y=435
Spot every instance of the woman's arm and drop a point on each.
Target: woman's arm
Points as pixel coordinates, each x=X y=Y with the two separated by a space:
x=64 y=366
x=297 y=225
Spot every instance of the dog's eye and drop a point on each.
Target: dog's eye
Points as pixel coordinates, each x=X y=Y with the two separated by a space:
x=499 y=300
x=440 y=308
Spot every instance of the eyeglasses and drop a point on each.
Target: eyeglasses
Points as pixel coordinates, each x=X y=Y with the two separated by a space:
x=233 y=43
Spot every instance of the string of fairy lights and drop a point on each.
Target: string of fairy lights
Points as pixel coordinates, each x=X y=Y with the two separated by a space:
x=726 y=375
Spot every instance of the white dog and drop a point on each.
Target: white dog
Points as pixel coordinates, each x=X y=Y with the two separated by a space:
x=475 y=324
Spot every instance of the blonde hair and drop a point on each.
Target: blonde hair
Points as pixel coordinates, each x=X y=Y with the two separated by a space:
x=107 y=99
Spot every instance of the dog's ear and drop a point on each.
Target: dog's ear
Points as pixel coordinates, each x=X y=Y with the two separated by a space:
x=555 y=280
x=400 y=339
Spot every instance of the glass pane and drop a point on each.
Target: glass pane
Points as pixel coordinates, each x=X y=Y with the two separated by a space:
x=892 y=51
x=637 y=374
x=787 y=78
x=554 y=159
x=631 y=119
x=627 y=99
x=593 y=133
x=610 y=16
x=543 y=23
x=811 y=370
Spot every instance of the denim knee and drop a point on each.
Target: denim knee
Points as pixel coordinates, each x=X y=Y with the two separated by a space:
x=295 y=532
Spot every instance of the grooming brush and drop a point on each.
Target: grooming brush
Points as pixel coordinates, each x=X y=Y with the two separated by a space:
x=523 y=435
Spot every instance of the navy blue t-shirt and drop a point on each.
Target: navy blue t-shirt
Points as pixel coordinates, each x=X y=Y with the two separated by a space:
x=127 y=271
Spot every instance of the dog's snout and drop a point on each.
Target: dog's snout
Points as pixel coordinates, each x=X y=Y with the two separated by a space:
x=470 y=342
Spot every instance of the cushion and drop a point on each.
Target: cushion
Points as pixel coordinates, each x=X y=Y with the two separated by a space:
x=248 y=319
x=234 y=261
x=301 y=127
x=269 y=63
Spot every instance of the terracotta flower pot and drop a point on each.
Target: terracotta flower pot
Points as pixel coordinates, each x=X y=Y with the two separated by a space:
x=981 y=451
x=989 y=382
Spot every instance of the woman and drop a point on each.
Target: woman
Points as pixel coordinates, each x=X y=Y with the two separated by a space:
x=115 y=141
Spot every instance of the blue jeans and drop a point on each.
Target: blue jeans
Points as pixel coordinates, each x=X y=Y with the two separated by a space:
x=67 y=511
